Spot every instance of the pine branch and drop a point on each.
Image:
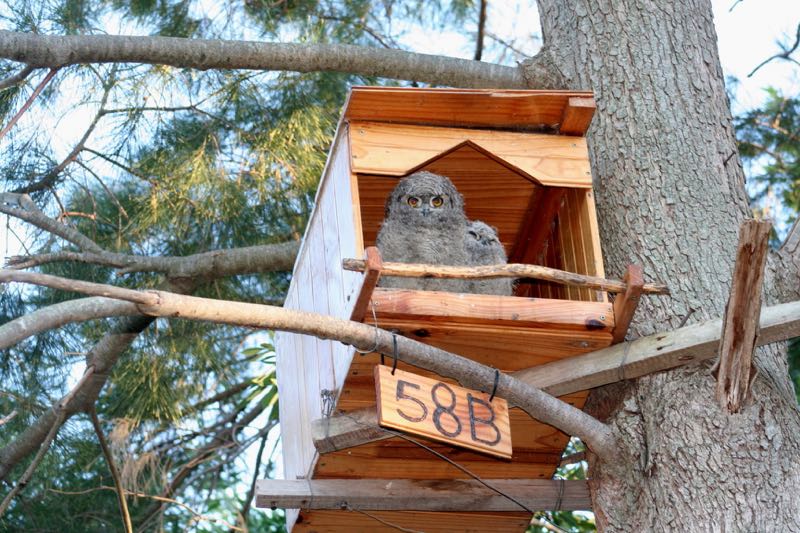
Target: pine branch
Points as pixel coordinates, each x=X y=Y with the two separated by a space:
x=57 y=51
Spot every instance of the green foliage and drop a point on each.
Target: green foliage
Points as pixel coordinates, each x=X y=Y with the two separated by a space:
x=769 y=144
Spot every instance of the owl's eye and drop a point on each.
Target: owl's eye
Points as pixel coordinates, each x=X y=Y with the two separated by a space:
x=437 y=201
x=413 y=201
x=474 y=235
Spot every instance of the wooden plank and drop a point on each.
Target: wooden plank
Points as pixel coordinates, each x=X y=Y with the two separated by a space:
x=489 y=108
x=577 y=115
x=535 y=231
x=398 y=150
x=734 y=368
x=578 y=244
x=654 y=353
x=591 y=235
x=427 y=521
x=446 y=413
x=462 y=495
x=484 y=309
x=372 y=273
x=627 y=301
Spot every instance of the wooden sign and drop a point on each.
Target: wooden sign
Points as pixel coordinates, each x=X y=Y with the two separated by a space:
x=443 y=412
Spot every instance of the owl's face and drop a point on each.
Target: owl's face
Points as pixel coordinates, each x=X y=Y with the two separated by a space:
x=425 y=198
x=481 y=233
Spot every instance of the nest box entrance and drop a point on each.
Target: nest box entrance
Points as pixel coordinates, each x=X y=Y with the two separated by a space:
x=520 y=160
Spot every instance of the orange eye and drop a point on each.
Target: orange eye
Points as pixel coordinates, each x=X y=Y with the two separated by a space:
x=437 y=201
x=413 y=201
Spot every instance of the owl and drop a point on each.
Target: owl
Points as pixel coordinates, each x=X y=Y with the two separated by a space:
x=425 y=223
x=484 y=248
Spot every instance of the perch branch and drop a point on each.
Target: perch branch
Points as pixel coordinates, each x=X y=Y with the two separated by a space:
x=53 y=51
x=514 y=270
x=538 y=404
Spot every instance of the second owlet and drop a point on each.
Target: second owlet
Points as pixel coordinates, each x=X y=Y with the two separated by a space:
x=425 y=223
x=484 y=248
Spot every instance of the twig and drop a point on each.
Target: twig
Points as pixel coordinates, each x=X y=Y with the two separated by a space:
x=9 y=417
x=783 y=55
x=60 y=417
x=159 y=498
x=248 y=499
x=16 y=79
x=28 y=103
x=48 y=180
x=123 y=504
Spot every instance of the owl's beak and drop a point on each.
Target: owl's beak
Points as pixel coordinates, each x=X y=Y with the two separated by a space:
x=425 y=210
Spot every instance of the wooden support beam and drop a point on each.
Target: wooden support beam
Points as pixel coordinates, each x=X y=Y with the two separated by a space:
x=373 y=265
x=536 y=229
x=627 y=301
x=513 y=270
x=734 y=369
x=345 y=430
x=454 y=495
x=577 y=116
x=633 y=359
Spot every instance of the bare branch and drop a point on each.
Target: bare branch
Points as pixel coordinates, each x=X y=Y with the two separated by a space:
x=17 y=78
x=57 y=315
x=123 y=504
x=471 y=374
x=73 y=285
x=481 y=29
x=56 y=51
x=28 y=212
x=786 y=52
x=29 y=102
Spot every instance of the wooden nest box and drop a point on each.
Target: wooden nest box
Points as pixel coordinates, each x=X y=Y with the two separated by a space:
x=520 y=160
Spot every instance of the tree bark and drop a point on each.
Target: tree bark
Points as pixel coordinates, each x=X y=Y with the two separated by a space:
x=670 y=196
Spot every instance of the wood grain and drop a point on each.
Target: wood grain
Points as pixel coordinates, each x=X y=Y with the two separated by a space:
x=511 y=270
x=490 y=108
x=372 y=273
x=627 y=301
x=443 y=412
x=427 y=521
x=486 y=310
x=465 y=495
x=398 y=150
x=734 y=368
x=577 y=115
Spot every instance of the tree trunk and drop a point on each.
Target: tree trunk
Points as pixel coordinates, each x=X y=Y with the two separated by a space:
x=670 y=196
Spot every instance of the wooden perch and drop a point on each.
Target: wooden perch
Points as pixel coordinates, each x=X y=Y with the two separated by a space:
x=515 y=270
x=626 y=302
x=734 y=369
x=633 y=359
x=459 y=495
x=372 y=274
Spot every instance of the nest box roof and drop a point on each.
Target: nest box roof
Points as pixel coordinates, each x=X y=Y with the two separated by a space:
x=564 y=112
